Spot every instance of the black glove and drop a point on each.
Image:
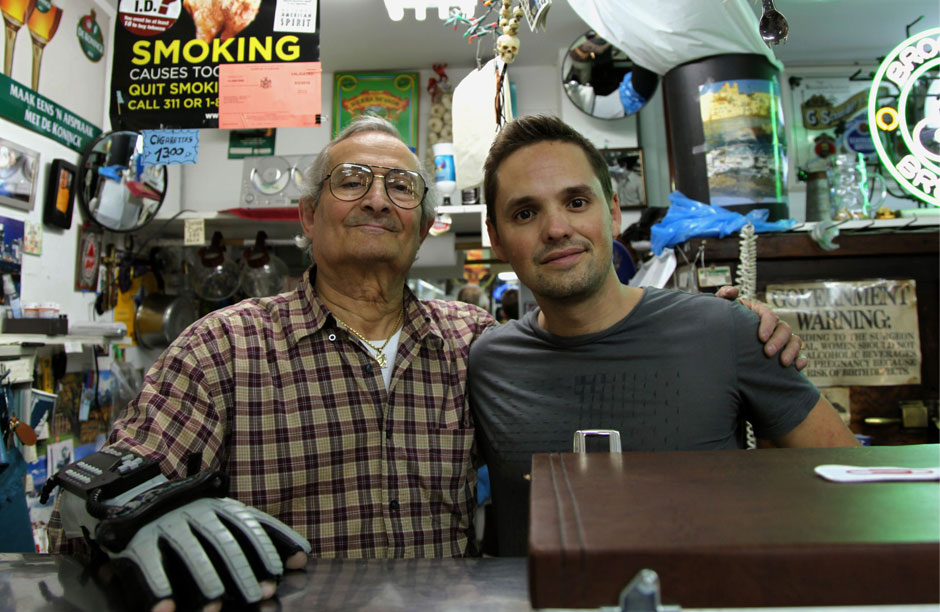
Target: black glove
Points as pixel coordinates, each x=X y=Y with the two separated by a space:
x=223 y=545
x=178 y=539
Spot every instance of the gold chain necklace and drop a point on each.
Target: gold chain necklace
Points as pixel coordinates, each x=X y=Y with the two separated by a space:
x=380 y=354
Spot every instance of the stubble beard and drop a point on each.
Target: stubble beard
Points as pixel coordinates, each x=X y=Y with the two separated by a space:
x=566 y=287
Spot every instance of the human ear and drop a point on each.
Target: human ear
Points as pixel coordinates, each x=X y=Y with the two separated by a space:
x=306 y=211
x=495 y=244
x=615 y=214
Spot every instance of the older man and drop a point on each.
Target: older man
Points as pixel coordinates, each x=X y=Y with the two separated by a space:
x=339 y=408
x=669 y=370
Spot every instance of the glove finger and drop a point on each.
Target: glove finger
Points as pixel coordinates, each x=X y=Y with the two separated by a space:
x=136 y=591
x=245 y=521
x=285 y=543
x=179 y=534
x=286 y=540
x=142 y=552
x=134 y=585
x=224 y=547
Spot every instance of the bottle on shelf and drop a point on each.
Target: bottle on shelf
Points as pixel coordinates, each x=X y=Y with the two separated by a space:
x=12 y=297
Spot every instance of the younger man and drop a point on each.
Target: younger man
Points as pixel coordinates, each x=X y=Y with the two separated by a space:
x=668 y=370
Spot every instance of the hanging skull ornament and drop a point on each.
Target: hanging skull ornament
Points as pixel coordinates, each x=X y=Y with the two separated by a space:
x=507 y=47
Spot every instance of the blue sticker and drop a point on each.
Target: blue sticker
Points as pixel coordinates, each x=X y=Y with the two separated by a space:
x=857 y=137
x=171 y=146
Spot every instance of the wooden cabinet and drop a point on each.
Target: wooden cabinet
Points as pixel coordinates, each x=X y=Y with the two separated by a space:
x=891 y=254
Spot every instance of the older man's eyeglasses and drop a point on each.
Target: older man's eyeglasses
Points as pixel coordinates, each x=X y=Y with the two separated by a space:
x=405 y=188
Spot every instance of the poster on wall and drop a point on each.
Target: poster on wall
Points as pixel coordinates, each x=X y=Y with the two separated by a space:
x=626 y=173
x=167 y=55
x=854 y=332
x=52 y=50
x=745 y=143
x=830 y=117
x=11 y=245
x=390 y=95
x=18 y=169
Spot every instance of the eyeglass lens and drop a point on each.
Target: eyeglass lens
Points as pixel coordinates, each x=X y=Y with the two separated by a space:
x=352 y=181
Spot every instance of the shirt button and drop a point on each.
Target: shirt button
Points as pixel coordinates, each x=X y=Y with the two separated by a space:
x=368 y=367
x=393 y=505
x=332 y=337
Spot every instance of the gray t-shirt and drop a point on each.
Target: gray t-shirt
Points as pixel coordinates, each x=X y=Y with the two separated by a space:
x=680 y=372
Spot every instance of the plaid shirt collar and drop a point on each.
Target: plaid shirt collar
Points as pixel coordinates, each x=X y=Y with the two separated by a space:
x=306 y=314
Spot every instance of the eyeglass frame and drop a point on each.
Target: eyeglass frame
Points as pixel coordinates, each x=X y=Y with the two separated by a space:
x=372 y=180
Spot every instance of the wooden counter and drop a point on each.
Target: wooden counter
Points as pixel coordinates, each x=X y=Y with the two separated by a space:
x=734 y=528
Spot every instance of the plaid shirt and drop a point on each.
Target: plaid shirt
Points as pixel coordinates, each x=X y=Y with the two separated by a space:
x=277 y=395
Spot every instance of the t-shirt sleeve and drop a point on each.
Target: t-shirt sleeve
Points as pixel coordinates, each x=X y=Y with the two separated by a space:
x=775 y=399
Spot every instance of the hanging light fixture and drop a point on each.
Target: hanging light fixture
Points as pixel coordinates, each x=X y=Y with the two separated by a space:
x=396 y=8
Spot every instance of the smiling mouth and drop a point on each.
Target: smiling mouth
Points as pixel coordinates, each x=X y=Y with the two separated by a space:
x=375 y=228
x=562 y=257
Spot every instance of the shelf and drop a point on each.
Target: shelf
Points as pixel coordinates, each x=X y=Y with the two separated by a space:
x=170 y=230
x=41 y=339
x=912 y=222
x=467 y=220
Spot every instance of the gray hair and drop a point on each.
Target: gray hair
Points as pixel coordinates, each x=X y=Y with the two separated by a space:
x=315 y=175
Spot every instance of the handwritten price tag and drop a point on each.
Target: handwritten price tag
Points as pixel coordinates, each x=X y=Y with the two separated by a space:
x=194 y=232
x=163 y=147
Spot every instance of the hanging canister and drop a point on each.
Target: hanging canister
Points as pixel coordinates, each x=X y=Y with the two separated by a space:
x=726 y=136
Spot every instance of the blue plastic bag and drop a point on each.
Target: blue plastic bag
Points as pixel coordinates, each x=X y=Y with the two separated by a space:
x=688 y=218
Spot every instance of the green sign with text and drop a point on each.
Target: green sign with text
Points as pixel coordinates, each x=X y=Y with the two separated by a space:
x=22 y=105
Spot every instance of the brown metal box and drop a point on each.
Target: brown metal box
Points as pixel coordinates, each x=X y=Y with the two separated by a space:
x=733 y=528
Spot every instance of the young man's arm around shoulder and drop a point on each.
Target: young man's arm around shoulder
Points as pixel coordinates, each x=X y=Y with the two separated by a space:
x=821 y=427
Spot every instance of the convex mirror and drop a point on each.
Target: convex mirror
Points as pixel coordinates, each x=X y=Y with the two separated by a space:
x=591 y=75
x=115 y=188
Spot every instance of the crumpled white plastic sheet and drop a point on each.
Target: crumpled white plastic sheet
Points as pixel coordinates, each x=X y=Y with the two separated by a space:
x=662 y=34
x=474 y=121
x=655 y=271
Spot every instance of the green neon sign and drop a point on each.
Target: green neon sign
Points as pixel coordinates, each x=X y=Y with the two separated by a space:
x=918 y=170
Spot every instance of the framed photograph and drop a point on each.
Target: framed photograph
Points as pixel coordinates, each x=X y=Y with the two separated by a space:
x=18 y=167
x=628 y=176
x=60 y=192
x=12 y=232
x=390 y=95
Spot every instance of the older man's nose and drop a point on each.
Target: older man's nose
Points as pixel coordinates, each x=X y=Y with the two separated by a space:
x=376 y=197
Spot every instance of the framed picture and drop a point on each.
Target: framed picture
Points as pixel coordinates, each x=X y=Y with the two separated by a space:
x=390 y=95
x=60 y=191
x=12 y=233
x=627 y=175
x=18 y=166
x=88 y=257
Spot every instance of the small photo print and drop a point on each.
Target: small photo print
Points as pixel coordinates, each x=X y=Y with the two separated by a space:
x=60 y=454
x=32 y=238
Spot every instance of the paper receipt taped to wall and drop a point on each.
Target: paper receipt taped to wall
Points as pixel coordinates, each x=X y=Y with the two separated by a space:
x=269 y=95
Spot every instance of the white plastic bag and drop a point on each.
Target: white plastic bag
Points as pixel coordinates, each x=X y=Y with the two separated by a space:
x=661 y=35
x=474 y=121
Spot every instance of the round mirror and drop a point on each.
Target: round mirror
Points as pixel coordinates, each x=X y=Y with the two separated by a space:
x=592 y=73
x=116 y=189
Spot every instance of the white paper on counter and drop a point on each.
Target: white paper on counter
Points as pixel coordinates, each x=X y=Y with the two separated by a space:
x=663 y=34
x=864 y=473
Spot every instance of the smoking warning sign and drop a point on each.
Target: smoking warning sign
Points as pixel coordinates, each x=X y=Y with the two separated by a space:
x=854 y=332
x=167 y=55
